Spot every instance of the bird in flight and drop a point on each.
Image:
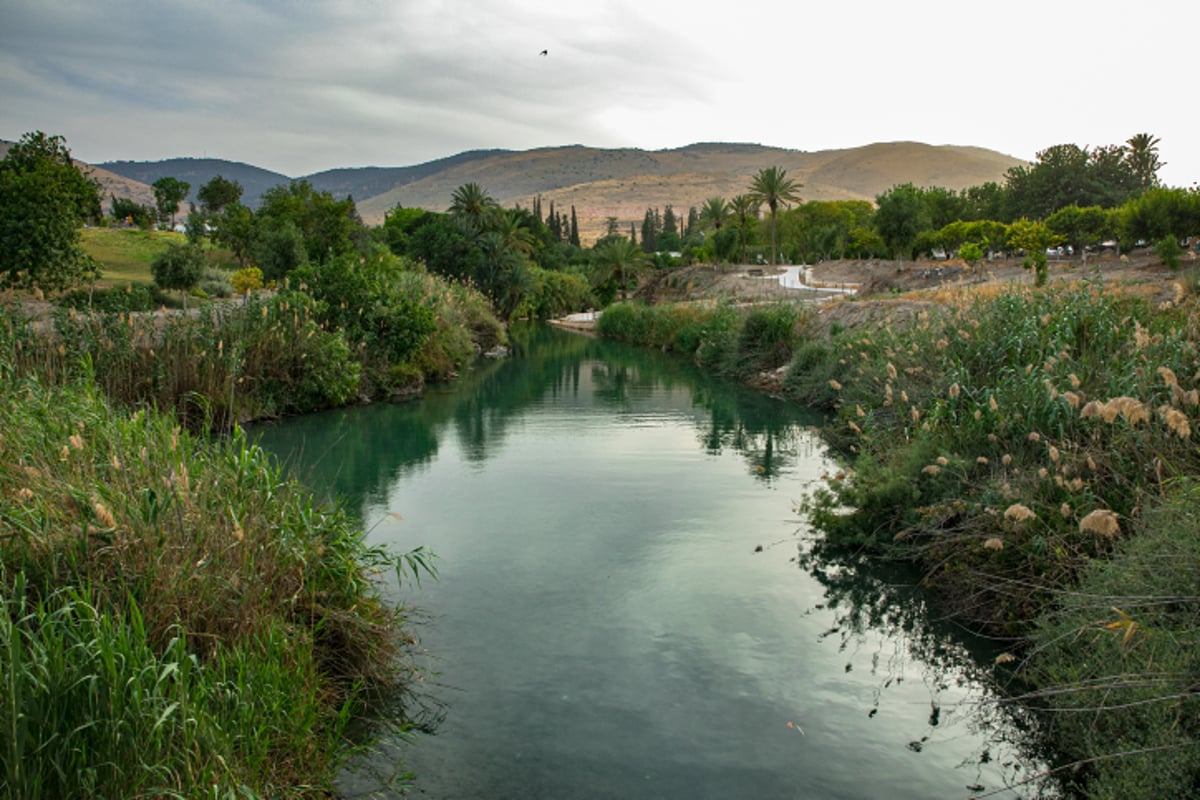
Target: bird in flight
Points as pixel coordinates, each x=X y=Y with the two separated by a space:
x=544 y=53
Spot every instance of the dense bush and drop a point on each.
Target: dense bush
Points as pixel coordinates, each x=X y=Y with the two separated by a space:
x=731 y=341
x=1033 y=453
x=176 y=619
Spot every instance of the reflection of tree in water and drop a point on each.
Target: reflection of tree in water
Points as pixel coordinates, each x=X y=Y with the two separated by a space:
x=772 y=435
x=873 y=599
x=357 y=454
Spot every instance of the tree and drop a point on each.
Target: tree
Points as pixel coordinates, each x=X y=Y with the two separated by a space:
x=1143 y=159
x=235 y=229
x=669 y=221
x=1067 y=174
x=44 y=199
x=772 y=186
x=715 y=213
x=1034 y=238
x=621 y=261
x=472 y=207
x=900 y=218
x=650 y=230
x=125 y=210
x=744 y=211
x=218 y=193
x=179 y=267
x=1080 y=227
x=971 y=253
x=168 y=194
x=328 y=227
x=574 y=228
x=1160 y=213
x=279 y=249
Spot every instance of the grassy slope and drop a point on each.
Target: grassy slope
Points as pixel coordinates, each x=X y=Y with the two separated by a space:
x=125 y=254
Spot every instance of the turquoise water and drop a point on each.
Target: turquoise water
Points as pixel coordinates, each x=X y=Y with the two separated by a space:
x=624 y=607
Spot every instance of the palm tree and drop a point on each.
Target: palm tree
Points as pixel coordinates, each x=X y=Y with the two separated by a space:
x=744 y=208
x=715 y=212
x=772 y=186
x=472 y=206
x=620 y=260
x=1143 y=159
x=513 y=230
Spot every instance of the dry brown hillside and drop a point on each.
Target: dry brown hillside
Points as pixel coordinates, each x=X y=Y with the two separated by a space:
x=110 y=183
x=623 y=183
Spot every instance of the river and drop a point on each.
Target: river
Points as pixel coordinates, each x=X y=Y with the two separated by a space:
x=626 y=606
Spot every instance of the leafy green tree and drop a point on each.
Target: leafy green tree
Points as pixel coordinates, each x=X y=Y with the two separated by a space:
x=442 y=245
x=44 y=200
x=1143 y=159
x=1034 y=237
x=900 y=218
x=821 y=229
x=986 y=201
x=621 y=262
x=168 y=194
x=328 y=227
x=945 y=206
x=1081 y=227
x=217 y=194
x=1159 y=213
x=180 y=267
x=236 y=229
x=772 y=186
x=1168 y=251
x=196 y=227
x=125 y=210
x=971 y=253
x=1067 y=174
x=399 y=225
x=279 y=249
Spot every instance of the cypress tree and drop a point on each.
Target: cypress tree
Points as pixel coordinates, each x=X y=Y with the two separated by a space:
x=574 y=227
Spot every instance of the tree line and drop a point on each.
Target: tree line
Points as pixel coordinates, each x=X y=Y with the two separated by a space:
x=531 y=262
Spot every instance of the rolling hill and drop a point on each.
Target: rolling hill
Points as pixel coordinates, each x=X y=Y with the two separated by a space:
x=600 y=183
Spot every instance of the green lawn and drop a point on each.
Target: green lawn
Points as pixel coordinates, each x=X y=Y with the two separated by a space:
x=125 y=254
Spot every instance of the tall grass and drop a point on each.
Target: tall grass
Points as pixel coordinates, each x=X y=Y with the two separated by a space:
x=1011 y=446
x=177 y=618
x=1126 y=718
x=731 y=340
x=238 y=361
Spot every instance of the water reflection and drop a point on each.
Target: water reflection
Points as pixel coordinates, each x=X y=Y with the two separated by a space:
x=356 y=454
x=873 y=601
x=619 y=613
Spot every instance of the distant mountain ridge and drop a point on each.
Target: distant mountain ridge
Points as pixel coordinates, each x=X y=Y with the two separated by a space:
x=357 y=182
x=600 y=183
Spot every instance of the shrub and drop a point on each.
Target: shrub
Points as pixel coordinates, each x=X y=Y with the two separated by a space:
x=176 y=618
x=179 y=267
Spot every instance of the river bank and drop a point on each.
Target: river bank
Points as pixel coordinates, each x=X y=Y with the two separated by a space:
x=179 y=617
x=1015 y=443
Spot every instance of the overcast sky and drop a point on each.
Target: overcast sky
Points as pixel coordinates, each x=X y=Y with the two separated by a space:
x=299 y=87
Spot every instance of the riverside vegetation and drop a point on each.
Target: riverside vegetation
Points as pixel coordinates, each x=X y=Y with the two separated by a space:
x=182 y=620
x=1031 y=449
x=179 y=618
